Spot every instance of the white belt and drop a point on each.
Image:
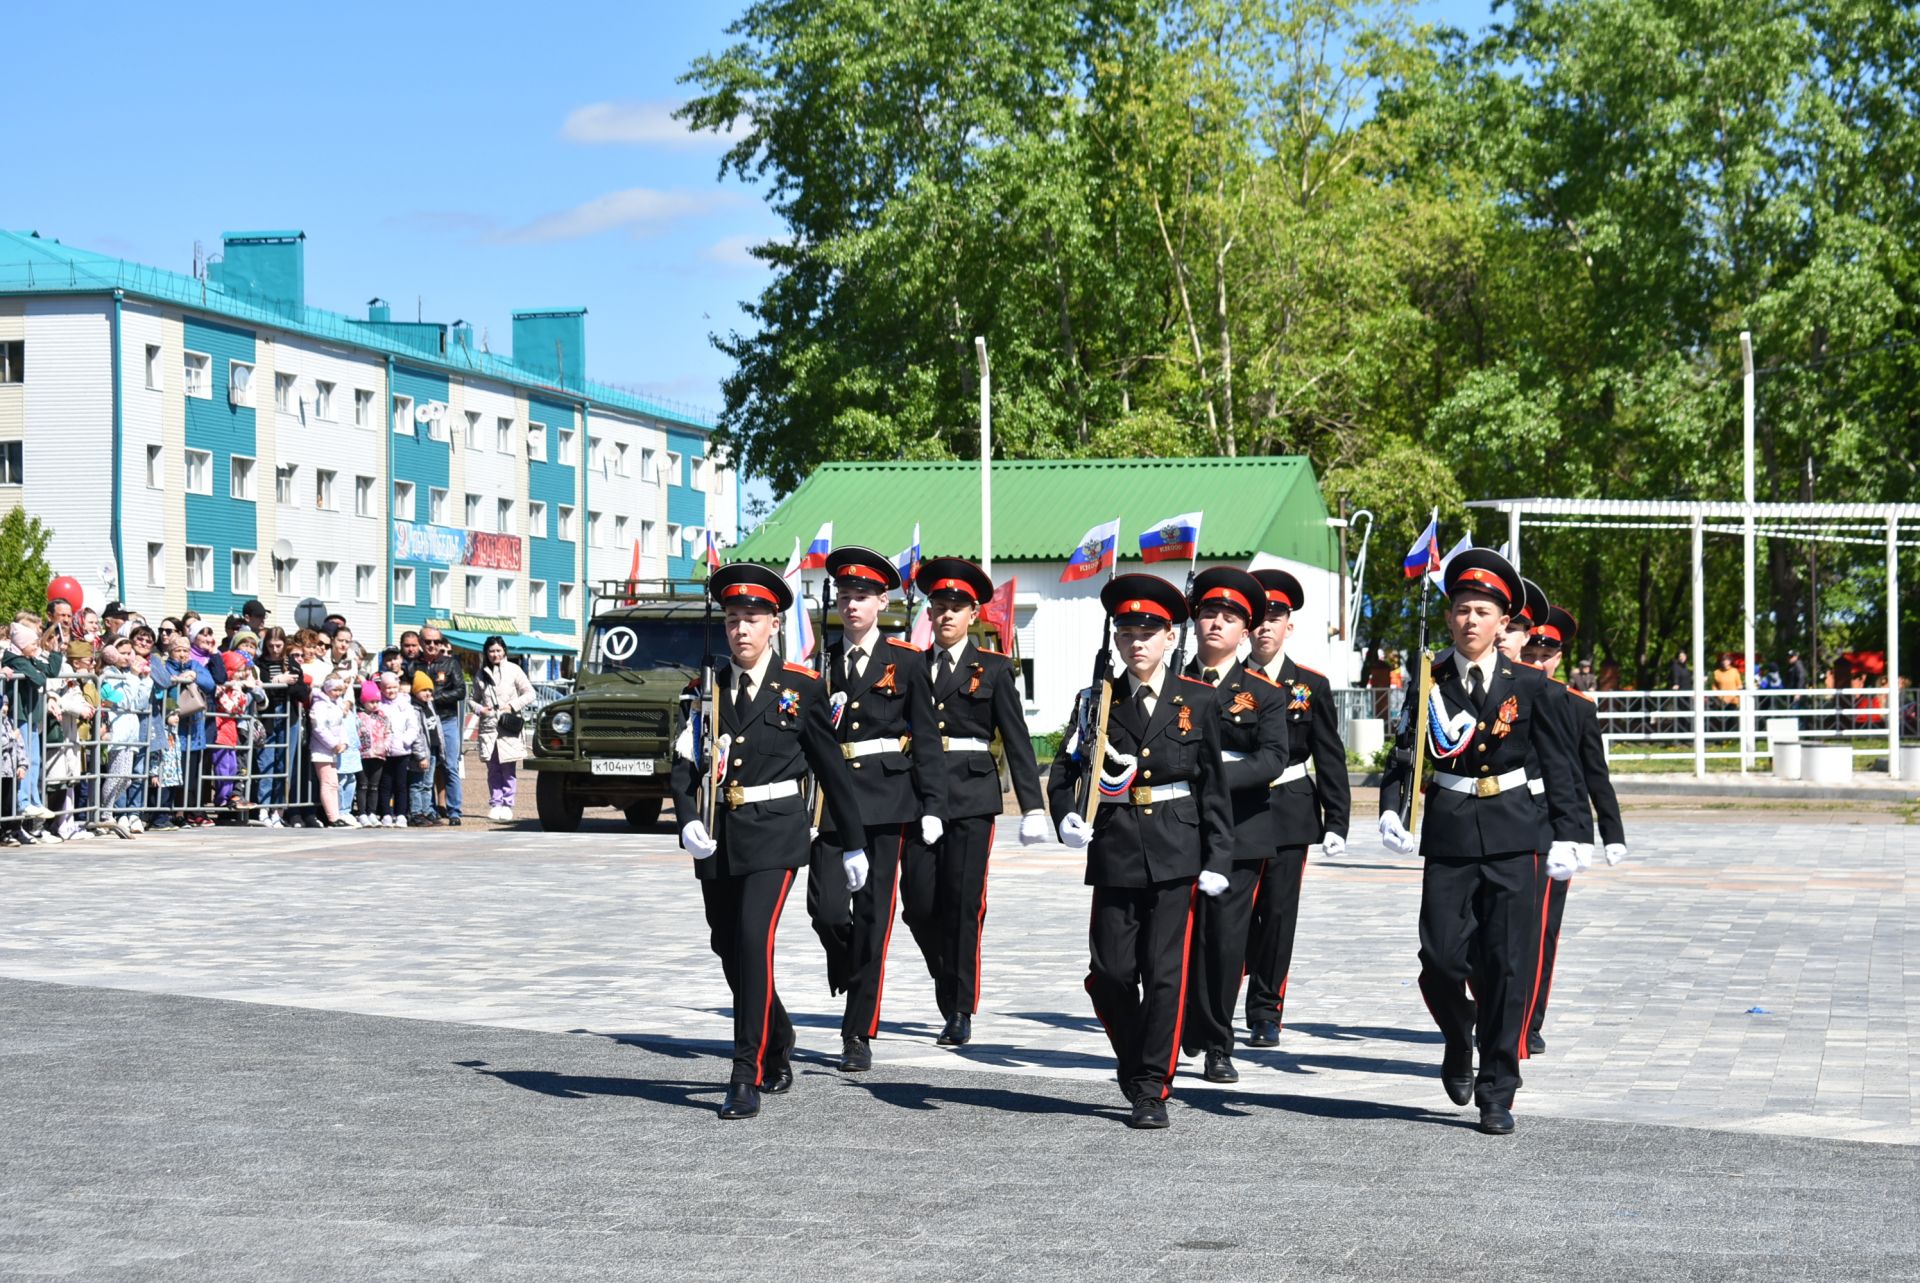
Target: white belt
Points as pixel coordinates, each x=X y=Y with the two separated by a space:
x=958 y=745
x=1298 y=771
x=1147 y=795
x=867 y=748
x=1228 y=755
x=1489 y=785
x=743 y=794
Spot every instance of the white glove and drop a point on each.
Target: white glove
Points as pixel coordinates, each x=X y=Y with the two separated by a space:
x=1561 y=861
x=1582 y=856
x=695 y=838
x=856 y=862
x=1333 y=844
x=1395 y=838
x=1213 y=884
x=1616 y=852
x=1074 y=831
x=1033 y=828
x=931 y=829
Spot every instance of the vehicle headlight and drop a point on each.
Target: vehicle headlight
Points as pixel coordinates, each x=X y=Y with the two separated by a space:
x=562 y=723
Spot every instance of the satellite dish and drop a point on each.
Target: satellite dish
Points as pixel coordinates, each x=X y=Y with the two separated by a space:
x=283 y=550
x=108 y=575
x=310 y=613
x=423 y=413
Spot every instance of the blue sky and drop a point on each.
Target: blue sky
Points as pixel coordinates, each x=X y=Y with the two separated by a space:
x=515 y=156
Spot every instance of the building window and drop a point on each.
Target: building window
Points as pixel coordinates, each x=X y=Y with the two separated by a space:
x=323 y=490
x=242 y=579
x=619 y=531
x=323 y=574
x=504 y=510
x=536 y=519
x=594 y=533
x=596 y=455
x=620 y=458
x=199 y=569
x=537 y=598
x=199 y=472
x=566 y=601
x=283 y=393
x=647 y=544
x=364 y=579
x=403 y=501
x=240 y=477
x=566 y=522
x=283 y=572
x=437 y=589
x=363 y=497
x=567 y=451
x=437 y=506
x=673 y=539
x=156 y=565
x=403 y=415
x=473 y=589
x=473 y=430
x=153 y=366
x=473 y=511
x=503 y=595
x=673 y=468
x=403 y=585
x=323 y=400
x=156 y=468
x=239 y=383
x=503 y=435
x=649 y=466
x=537 y=441
x=362 y=408
x=283 y=483
x=437 y=430
x=13 y=361
x=193 y=370
x=12 y=458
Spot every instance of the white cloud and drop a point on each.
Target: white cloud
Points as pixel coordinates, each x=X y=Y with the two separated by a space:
x=644 y=124
x=636 y=210
x=732 y=250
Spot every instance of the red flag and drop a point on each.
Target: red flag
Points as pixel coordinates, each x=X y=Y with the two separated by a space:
x=997 y=613
x=633 y=577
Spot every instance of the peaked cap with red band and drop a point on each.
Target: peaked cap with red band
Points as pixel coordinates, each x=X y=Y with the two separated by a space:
x=1532 y=608
x=1486 y=571
x=1560 y=629
x=953 y=575
x=1143 y=599
x=1229 y=586
x=751 y=584
x=1283 y=591
x=853 y=564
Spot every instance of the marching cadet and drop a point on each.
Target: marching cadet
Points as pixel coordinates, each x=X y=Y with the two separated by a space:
x=1162 y=834
x=1226 y=602
x=1305 y=808
x=773 y=724
x=976 y=693
x=1490 y=726
x=1543 y=651
x=882 y=694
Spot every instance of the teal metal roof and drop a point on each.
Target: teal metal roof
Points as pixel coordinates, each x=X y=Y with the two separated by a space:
x=32 y=264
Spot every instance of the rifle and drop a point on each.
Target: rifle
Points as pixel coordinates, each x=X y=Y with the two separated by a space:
x=1093 y=748
x=709 y=719
x=1179 y=664
x=1417 y=714
x=826 y=676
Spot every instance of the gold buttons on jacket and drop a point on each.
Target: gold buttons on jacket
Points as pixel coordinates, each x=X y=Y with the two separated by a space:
x=1146 y=775
x=856 y=726
x=739 y=739
x=1146 y=752
x=1483 y=770
x=943 y=726
x=1483 y=726
x=943 y=706
x=1146 y=810
x=738 y=762
x=1483 y=748
x=856 y=703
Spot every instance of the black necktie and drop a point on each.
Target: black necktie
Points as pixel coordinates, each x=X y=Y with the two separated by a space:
x=741 y=698
x=1140 y=703
x=1476 y=688
x=943 y=667
x=854 y=657
x=1211 y=676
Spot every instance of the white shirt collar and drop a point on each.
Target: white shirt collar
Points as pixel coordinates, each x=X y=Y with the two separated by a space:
x=1486 y=665
x=1272 y=671
x=1155 y=684
x=758 y=672
x=957 y=649
x=865 y=645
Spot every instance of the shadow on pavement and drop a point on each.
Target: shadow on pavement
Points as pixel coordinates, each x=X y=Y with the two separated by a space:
x=1351 y=1033
x=583 y=1086
x=1231 y=1104
x=926 y=1096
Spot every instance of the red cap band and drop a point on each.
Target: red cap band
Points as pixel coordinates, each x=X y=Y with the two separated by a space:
x=1548 y=631
x=1229 y=596
x=751 y=590
x=960 y=586
x=1486 y=578
x=1141 y=606
x=858 y=571
x=1276 y=595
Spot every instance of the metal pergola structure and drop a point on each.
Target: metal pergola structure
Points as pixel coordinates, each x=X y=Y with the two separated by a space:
x=1858 y=523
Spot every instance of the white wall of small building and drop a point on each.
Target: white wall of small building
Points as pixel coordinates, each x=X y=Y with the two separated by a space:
x=68 y=453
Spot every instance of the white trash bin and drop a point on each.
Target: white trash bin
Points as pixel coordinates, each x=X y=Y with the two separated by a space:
x=1826 y=762
x=1366 y=736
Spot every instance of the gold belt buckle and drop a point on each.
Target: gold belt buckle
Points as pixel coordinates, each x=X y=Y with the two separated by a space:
x=736 y=797
x=1141 y=795
x=906 y=742
x=846 y=751
x=946 y=743
x=1486 y=786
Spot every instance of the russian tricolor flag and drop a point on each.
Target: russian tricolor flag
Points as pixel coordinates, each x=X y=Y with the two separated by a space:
x=816 y=558
x=799 y=641
x=1175 y=539
x=713 y=552
x=1094 y=554
x=908 y=562
x=1425 y=553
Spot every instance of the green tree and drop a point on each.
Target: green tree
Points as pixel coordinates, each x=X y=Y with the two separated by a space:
x=24 y=570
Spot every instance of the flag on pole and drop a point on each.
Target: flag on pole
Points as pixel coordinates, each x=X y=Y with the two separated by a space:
x=797 y=638
x=921 y=632
x=1095 y=553
x=997 y=613
x=908 y=562
x=816 y=558
x=713 y=552
x=633 y=577
x=1438 y=575
x=1175 y=539
x=1425 y=553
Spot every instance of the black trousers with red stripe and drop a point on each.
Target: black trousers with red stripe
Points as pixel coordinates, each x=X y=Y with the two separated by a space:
x=1480 y=928
x=944 y=902
x=1556 y=909
x=1138 y=941
x=856 y=928
x=743 y=913
x=1217 y=959
x=1276 y=913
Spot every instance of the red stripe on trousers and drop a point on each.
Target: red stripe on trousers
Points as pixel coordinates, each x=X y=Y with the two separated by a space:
x=1539 y=955
x=766 y=1014
x=1180 y=1009
x=893 y=905
x=1253 y=911
x=1280 y=994
x=980 y=923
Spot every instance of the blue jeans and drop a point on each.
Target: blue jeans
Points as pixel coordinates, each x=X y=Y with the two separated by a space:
x=270 y=761
x=32 y=789
x=452 y=749
x=420 y=789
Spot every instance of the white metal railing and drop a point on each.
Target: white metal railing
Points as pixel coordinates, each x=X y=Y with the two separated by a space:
x=1741 y=724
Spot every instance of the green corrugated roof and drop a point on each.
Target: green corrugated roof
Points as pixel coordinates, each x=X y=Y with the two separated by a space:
x=1042 y=507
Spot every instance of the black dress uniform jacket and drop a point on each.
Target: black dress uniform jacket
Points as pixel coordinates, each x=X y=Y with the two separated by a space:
x=1308 y=808
x=1596 y=779
x=786 y=729
x=891 y=699
x=1539 y=728
x=982 y=695
x=1140 y=846
x=1253 y=724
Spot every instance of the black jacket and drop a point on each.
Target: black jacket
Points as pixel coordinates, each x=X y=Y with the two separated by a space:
x=981 y=696
x=1596 y=780
x=786 y=730
x=1253 y=726
x=449 y=686
x=1314 y=805
x=892 y=699
x=1138 y=846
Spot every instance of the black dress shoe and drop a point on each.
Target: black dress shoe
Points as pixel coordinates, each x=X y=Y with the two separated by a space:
x=743 y=1101
x=949 y=1033
x=1264 y=1033
x=778 y=1080
x=855 y=1054
x=1536 y=1045
x=1496 y=1120
x=962 y=1030
x=1149 y=1114
x=1456 y=1074
x=1220 y=1068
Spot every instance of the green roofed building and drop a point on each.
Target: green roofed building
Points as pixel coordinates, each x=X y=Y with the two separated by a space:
x=1042 y=508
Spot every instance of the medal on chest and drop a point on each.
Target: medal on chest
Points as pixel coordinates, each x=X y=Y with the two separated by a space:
x=973 y=682
x=1243 y=702
x=1301 y=698
x=1509 y=713
x=888 y=683
x=789 y=702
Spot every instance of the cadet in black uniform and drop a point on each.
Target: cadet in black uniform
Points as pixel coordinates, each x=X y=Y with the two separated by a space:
x=976 y=694
x=773 y=725
x=1498 y=724
x=1225 y=603
x=1543 y=651
x=1163 y=833
x=881 y=696
x=1306 y=808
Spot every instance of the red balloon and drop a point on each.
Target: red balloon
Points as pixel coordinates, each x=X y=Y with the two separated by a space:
x=66 y=588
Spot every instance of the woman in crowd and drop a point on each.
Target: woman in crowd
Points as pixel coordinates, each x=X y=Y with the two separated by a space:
x=125 y=696
x=32 y=666
x=174 y=676
x=72 y=700
x=144 y=794
x=287 y=692
x=501 y=691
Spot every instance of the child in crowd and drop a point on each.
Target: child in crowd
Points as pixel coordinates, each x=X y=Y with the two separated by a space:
x=406 y=749
x=72 y=701
x=124 y=693
x=230 y=705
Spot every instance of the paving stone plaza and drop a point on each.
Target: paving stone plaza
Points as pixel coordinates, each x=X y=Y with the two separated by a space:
x=494 y=1053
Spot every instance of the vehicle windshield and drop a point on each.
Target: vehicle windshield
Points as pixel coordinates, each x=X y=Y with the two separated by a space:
x=642 y=645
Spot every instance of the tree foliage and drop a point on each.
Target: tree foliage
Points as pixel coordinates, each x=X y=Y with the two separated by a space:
x=24 y=569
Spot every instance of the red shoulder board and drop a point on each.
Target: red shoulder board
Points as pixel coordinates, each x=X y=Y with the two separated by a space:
x=1586 y=695
x=1254 y=672
x=1303 y=668
x=1197 y=681
x=903 y=645
x=801 y=668
x=997 y=654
